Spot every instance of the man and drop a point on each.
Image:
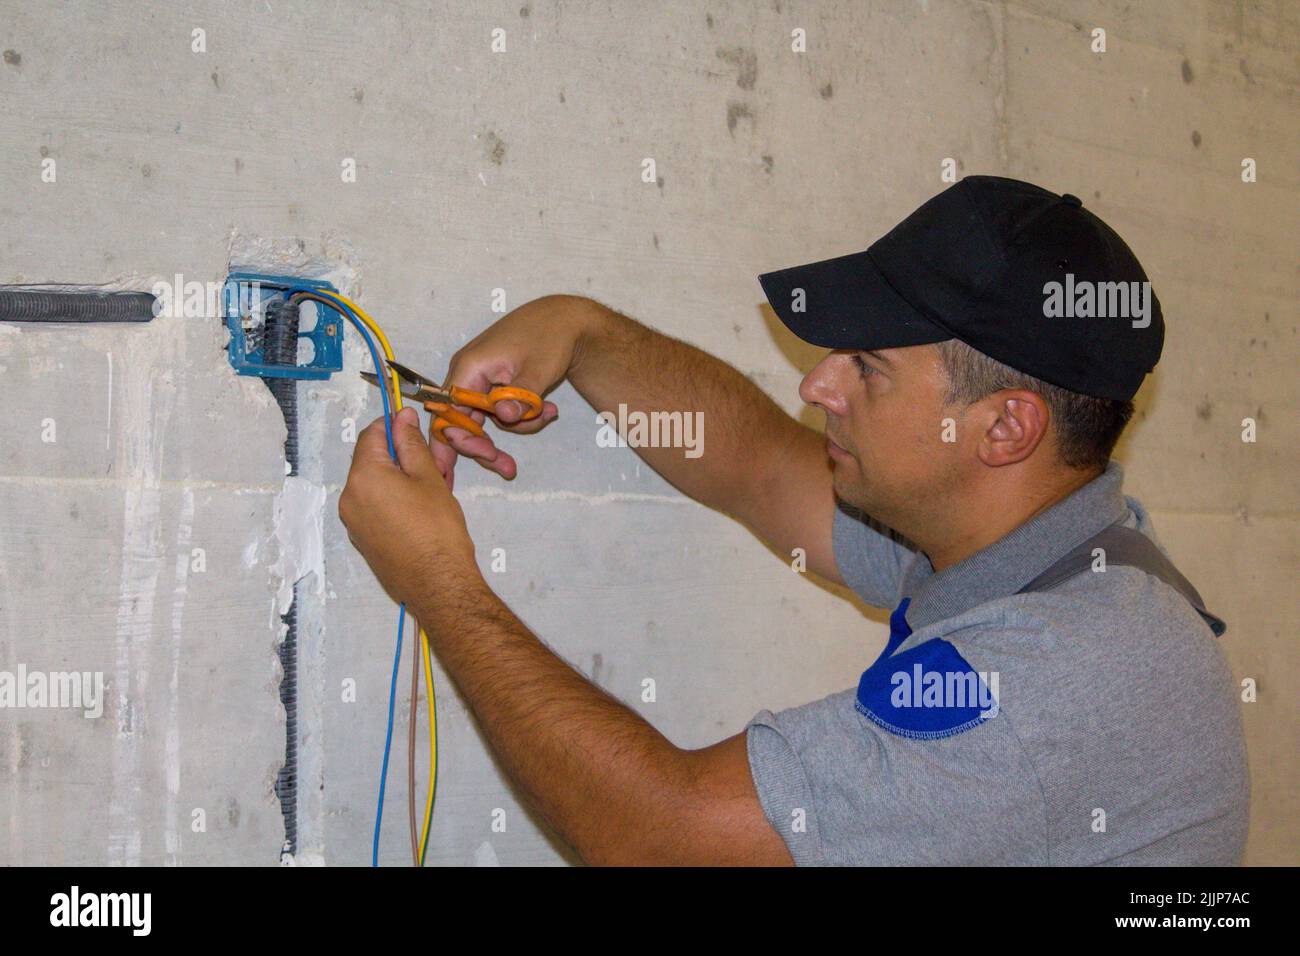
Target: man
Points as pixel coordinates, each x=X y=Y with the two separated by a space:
x=1052 y=691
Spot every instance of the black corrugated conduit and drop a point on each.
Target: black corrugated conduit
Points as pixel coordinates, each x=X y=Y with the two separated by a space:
x=33 y=305
x=279 y=340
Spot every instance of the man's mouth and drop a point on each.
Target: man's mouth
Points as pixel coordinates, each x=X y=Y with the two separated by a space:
x=835 y=451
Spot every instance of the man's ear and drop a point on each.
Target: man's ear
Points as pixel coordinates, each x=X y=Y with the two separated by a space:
x=1020 y=420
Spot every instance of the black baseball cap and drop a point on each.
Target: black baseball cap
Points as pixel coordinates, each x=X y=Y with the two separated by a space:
x=1027 y=277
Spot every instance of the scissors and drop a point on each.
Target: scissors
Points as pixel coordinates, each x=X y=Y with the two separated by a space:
x=439 y=400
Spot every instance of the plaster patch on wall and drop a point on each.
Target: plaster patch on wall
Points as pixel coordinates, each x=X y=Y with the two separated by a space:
x=148 y=396
x=299 y=512
x=172 y=741
x=108 y=402
x=252 y=390
x=287 y=255
x=485 y=855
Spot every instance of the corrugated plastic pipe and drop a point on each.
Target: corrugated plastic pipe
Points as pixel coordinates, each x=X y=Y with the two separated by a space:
x=25 y=305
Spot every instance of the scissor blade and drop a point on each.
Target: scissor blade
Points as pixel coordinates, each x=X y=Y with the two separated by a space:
x=414 y=377
x=408 y=391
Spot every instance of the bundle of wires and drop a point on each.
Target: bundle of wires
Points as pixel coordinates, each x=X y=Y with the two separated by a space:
x=366 y=326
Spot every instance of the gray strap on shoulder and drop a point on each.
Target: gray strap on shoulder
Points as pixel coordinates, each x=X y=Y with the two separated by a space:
x=1125 y=546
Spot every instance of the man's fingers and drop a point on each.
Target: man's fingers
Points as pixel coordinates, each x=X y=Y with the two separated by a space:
x=509 y=412
x=413 y=452
x=474 y=377
x=482 y=376
x=372 y=448
x=445 y=456
x=482 y=450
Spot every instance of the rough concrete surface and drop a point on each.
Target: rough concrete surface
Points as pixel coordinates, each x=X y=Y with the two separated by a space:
x=522 y=171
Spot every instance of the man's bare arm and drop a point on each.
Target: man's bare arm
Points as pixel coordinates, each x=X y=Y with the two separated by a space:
x=610 y=784
x=759 y=465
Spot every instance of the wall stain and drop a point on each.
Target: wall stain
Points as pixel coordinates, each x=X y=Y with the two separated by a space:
x=827 y=91
x=496 y=148
x=1196 y=138
x=24 y=745
x=1188 y=76
x=735 y=113
x=746 y=63
x=1205 y=410
x=13 y=58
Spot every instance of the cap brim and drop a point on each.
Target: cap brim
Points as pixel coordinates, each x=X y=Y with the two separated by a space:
x=846 y=304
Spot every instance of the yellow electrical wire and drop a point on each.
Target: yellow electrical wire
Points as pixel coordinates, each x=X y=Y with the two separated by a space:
x=424 y=638
x=433 y=745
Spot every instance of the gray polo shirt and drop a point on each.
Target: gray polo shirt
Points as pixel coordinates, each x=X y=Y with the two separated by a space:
x=1116 y=736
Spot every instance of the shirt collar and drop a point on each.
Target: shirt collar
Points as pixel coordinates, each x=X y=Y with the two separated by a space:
x=1011 y=562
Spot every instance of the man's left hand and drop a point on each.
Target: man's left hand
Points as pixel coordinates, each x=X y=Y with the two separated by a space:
x=404 y=520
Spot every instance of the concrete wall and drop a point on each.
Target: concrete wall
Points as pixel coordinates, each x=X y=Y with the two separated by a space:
x=522 y=171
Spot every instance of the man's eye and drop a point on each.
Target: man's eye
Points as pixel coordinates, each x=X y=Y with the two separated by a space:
x=863 y=368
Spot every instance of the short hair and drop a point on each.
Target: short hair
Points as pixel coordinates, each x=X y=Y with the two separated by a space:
x=1087 y=428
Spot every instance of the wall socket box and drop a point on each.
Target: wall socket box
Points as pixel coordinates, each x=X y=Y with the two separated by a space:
x=246 y=298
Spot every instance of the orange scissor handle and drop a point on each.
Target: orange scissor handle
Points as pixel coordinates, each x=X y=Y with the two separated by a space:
x=444 y=417
x=447 y=417
x=499 y=393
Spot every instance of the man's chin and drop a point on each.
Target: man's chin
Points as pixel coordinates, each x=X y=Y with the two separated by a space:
x=847 y=479
x=846 y=491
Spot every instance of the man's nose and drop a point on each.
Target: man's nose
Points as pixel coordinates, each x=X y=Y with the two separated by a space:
x=821 y=386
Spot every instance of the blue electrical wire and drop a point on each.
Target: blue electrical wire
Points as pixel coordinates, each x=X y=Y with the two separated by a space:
x=401 y=616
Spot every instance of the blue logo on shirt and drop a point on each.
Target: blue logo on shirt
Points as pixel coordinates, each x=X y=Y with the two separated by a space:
x=925 y=692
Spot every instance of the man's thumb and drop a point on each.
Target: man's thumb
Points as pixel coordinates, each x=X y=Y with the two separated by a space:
x=413 y=452
x=510 y=411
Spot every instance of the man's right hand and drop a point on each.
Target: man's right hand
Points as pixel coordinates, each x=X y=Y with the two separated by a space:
x=532 y=347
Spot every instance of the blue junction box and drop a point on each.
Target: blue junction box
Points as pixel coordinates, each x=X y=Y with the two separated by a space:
x=245 y=298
